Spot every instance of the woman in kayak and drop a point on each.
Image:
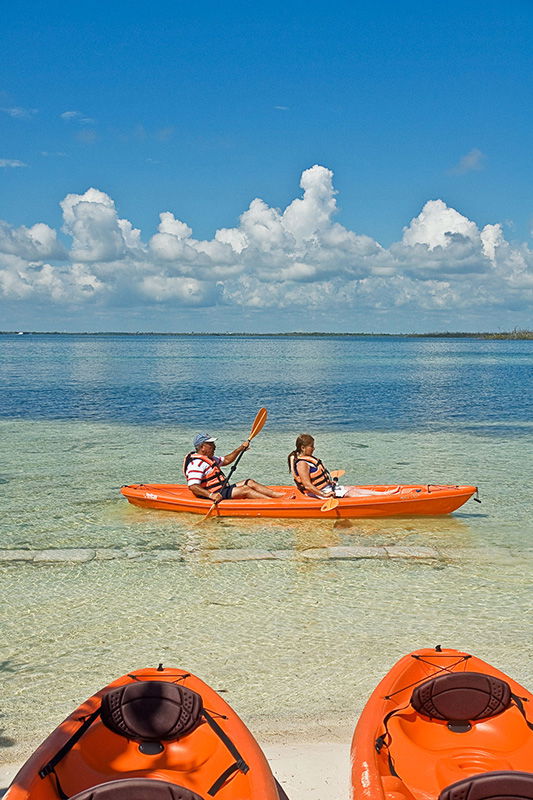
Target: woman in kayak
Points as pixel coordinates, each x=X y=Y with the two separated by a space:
x=313 y=479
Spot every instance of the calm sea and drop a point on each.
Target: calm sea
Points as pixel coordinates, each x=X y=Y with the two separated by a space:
x=297 y=642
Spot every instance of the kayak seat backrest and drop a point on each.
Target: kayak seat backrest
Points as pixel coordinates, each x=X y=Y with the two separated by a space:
x=491 y=786
x=461 y=696
x=137 y=789
x=151 y=711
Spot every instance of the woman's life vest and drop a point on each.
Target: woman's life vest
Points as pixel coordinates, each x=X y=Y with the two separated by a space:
x=318 y=474
x=213 y=479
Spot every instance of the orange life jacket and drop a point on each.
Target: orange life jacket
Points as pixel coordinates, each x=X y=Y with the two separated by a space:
x=319 y=477
x=213 y=479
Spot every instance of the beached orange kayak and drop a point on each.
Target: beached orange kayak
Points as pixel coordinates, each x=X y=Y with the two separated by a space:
x=444 y=724
x=408 y=500
x=154 y=734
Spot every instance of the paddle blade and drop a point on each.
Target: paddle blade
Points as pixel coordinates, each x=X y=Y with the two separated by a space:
x=330 y=504
x=259 y=421
x=337 y=473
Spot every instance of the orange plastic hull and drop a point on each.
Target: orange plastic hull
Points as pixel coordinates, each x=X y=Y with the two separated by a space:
x=194 y=761
x=427 y=756
x=410 y=500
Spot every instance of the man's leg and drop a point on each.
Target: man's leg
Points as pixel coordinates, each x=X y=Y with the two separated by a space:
x=266 y=491
x=250 y=489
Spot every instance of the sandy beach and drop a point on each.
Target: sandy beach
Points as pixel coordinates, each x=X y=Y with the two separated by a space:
x=306 y=770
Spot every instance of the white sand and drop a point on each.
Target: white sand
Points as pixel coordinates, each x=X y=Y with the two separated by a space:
x=307 y=771
x=318 y=770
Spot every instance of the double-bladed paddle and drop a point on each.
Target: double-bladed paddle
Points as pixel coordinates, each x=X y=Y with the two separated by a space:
x=257 y=426
x=332 y=502
x=337 y=473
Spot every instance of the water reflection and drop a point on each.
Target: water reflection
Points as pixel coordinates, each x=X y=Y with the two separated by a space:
x=335 y=382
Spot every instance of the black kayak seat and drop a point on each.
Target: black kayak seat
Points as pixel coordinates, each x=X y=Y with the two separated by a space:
x=461 y=696
x=151 y=711
x=136 y=789
x=508 y=785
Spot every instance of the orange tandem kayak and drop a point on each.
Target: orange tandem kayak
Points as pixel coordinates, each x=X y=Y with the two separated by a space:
x=154 y=734
x=408 y=500
x=444 y=724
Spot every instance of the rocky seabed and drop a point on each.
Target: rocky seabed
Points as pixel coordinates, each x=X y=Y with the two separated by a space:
x=496 y=555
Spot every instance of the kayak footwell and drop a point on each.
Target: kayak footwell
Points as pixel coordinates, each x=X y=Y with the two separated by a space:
x=409 y=500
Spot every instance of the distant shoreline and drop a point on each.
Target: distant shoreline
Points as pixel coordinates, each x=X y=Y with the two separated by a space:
x=515 y=334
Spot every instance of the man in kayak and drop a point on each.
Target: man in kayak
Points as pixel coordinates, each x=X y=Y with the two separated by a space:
x=313 y=479
x=202 y=469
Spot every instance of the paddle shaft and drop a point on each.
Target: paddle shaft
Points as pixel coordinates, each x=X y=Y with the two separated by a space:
x=257 y=426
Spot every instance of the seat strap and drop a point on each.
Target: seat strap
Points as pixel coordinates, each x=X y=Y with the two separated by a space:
x=50 y=766
x=381 y=741
x=69 y=744
x=239 y=764
x=520 y=705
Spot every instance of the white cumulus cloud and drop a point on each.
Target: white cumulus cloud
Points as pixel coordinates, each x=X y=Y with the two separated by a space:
x=97 y=232
x=296 y=257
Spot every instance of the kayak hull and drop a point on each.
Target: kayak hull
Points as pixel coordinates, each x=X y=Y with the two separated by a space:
x=419 y=500
x=427 y=754
x=193 y=761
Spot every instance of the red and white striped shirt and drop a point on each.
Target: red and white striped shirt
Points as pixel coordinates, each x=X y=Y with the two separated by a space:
x=196 y=469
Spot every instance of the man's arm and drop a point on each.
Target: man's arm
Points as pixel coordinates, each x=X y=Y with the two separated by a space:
x=230 y=458
x=197 y=491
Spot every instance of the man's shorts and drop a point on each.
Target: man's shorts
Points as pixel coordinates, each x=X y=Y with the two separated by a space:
x=226 y=492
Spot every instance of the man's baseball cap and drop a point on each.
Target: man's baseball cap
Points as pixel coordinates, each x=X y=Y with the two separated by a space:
x=202 y=438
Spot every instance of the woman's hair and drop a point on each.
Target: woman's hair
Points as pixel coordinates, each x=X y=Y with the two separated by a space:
x=302 y=441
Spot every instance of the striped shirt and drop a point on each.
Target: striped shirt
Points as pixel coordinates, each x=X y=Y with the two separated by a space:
x=197 y=468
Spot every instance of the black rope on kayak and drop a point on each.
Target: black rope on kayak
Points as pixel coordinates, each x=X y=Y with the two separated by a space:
x=239 y=764
x=438 y=669
x=141 y=678
x=216 y=713
x=182 y=677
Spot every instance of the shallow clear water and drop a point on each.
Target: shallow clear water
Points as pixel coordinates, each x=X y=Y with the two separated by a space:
x=298 y=645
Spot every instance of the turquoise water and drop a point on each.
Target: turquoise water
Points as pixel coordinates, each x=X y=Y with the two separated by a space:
x=298 y=642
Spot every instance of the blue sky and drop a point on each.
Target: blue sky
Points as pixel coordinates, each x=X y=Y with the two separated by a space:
x=390 y=147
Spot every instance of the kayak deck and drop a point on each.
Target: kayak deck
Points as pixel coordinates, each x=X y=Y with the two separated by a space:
x=428 y=750
x=149 y=734
x=408 y=500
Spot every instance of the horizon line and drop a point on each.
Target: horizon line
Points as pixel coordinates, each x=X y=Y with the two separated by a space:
x=516 y=333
